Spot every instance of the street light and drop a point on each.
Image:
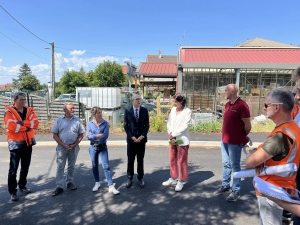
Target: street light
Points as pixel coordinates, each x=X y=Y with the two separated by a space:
x=130 y=71
x=53 y=68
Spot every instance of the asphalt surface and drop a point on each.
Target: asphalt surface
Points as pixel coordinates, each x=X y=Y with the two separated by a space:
x=154 y=204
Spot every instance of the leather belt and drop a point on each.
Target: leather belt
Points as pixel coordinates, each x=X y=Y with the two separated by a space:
x=99 y=145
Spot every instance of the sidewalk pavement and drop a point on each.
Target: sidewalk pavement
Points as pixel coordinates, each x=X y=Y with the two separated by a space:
x=154 y=139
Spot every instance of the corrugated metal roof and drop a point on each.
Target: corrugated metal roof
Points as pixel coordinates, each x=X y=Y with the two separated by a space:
x=158 y=68
x=241 y=55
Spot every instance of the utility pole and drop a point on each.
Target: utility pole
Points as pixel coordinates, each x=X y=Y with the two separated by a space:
x=53 y=69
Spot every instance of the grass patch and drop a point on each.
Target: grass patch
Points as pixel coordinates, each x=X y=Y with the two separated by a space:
x=214 y=126
x=263 y=127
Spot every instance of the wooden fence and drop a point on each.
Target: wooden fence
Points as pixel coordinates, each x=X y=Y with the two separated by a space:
x=46 y=111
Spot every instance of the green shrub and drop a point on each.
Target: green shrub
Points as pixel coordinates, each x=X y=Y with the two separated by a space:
x=157 y=123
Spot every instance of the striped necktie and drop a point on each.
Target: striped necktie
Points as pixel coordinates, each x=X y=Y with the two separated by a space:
x=136 y=115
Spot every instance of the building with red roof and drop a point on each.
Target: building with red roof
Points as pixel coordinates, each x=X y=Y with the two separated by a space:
x=257 y=66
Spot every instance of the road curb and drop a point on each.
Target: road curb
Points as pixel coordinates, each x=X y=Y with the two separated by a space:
x=149 y=143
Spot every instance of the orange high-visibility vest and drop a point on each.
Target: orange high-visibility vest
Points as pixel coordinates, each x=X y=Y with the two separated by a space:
x=291 y=130
x=20 y=133
x=295 y=111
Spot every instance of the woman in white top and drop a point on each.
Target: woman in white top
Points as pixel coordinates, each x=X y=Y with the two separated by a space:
x=178 y=123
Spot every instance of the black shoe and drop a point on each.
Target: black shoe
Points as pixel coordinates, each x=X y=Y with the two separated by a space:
x=221 y=190
x=141 y=183
x=234 y=195
x=14 y=197
x=25 y=190
x=57 y=191
x=71 y=186
x=129 y=183
x=286 y=216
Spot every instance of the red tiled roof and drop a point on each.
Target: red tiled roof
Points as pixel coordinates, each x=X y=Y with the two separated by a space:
x=158 y=68
x=241 y=55
x=8 y=85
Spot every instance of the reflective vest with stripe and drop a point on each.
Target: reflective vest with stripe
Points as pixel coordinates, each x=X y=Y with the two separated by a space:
x=291 y=130
x=295 y=111
x=20 y=133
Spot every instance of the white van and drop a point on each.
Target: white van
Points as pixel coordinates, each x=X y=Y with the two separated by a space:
x=66 y=97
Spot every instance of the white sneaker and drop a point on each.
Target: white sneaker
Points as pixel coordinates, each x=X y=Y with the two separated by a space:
x=97 y=186
x=113 y=190
x=169 y=182
x=179 y=186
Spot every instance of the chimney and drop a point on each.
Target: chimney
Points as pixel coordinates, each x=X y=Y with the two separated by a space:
x=159 y=54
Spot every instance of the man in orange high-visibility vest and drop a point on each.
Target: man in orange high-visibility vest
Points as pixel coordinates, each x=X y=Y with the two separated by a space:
x=20 y=122
x=280 y=147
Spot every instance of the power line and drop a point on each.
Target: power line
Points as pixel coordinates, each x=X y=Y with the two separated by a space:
x=24 y=26
x=59 y=62
x=62 y=47
x=23 y=47
x=58 y=46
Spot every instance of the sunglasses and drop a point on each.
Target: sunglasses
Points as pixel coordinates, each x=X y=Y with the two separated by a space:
x=269 y=104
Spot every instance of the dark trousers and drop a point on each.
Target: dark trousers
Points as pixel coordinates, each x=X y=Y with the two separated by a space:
x=138 y=150
x=23 y=154
x=296 y=219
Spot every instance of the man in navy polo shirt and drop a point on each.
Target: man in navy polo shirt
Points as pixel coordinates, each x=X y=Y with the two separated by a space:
x=236 y=127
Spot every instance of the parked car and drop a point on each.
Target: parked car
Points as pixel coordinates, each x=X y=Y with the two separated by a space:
x=148 y=106
x=66 y=97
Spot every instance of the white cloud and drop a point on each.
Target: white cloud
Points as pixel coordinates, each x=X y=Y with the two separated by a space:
x=77 y=53
x=62 y=64
x=0 y=61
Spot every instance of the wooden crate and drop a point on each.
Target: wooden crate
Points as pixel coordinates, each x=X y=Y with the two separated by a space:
x=197 y=102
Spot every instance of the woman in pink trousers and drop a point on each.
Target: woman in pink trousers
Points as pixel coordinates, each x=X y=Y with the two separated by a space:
x=178 y=123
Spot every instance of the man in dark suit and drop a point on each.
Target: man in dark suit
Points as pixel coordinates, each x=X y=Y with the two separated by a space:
x=136 y=125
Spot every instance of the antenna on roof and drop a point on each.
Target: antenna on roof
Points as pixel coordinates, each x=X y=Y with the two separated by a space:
x=183 y=37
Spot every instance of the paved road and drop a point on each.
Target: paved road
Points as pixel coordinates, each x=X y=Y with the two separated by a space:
x=154 y=204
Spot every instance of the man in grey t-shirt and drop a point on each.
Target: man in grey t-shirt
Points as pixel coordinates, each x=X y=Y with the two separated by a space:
x=67 y=132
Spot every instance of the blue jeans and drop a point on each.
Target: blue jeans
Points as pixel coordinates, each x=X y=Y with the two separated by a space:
x=62 y=155
x=231 y=159
x=94 y=154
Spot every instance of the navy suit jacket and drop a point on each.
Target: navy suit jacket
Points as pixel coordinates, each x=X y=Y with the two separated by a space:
x=134 y=128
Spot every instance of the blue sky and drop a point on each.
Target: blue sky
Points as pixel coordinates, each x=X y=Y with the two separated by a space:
x=86 y=32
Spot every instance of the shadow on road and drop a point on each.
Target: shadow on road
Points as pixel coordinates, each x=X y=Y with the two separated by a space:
x=154 y=204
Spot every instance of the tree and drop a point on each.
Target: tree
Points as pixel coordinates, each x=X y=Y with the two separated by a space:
x=126 y=80
x=82 y=70
x=89 y=76
x=30 y=83
x=108 y=74
x=23 y=71
x=70 y=80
